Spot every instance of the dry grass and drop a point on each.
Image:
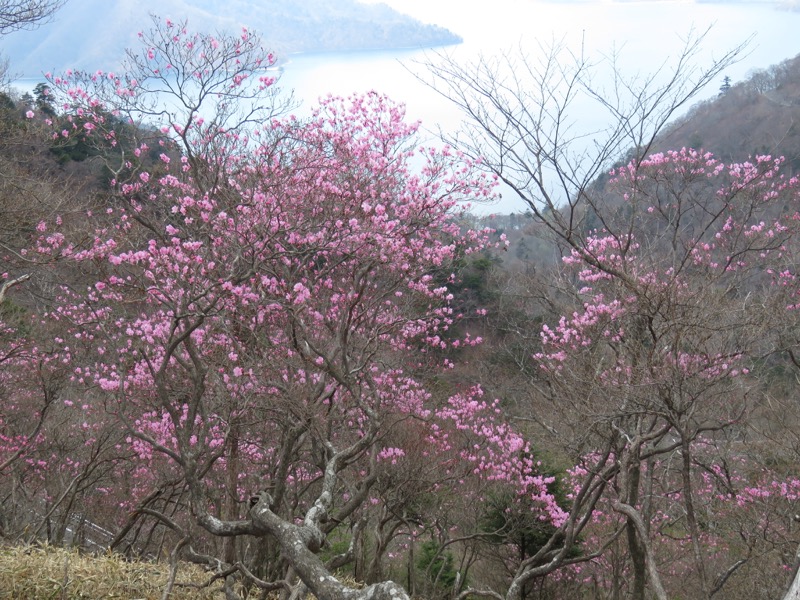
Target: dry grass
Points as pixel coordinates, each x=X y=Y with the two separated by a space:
x=39 y=573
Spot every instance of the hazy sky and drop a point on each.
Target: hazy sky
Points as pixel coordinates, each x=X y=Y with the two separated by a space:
x=648 y=32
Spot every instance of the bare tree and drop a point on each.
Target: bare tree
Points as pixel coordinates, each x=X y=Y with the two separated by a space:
x=524 y=121
x=26 y=14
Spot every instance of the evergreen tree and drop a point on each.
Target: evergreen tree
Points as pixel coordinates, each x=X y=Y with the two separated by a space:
x=726 y=86
x=44 y=101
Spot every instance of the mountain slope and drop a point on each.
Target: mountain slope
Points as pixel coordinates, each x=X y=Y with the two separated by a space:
x=760 y=115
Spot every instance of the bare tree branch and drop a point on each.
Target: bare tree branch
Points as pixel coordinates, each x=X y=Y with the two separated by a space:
x=26 y=14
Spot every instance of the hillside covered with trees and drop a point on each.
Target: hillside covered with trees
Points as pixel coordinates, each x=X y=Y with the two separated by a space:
x=276 y=348
x=756 y=116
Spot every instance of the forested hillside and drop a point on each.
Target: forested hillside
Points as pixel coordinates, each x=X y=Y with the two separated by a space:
x=277 y=348
x=756 y=116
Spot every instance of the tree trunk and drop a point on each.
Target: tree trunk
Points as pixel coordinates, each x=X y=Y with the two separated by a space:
x=636 y=520
x=635 y=544
x=299 y=542
x=232 y=495
x=691 y=517
x=638 y=561
x=793 y=593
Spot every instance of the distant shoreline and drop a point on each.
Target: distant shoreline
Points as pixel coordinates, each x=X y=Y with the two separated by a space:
x=26 y=83
x=285 y=59
x=357 y=51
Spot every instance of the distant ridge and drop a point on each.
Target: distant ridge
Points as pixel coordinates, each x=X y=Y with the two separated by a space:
x=93 y=34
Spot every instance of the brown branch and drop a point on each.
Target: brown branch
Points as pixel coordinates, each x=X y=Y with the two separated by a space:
x=8 y=284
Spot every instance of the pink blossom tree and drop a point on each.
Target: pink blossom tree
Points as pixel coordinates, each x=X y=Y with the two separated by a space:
x=669 y=298
x=259 y=325
x=653 y=364
x=263 y=308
